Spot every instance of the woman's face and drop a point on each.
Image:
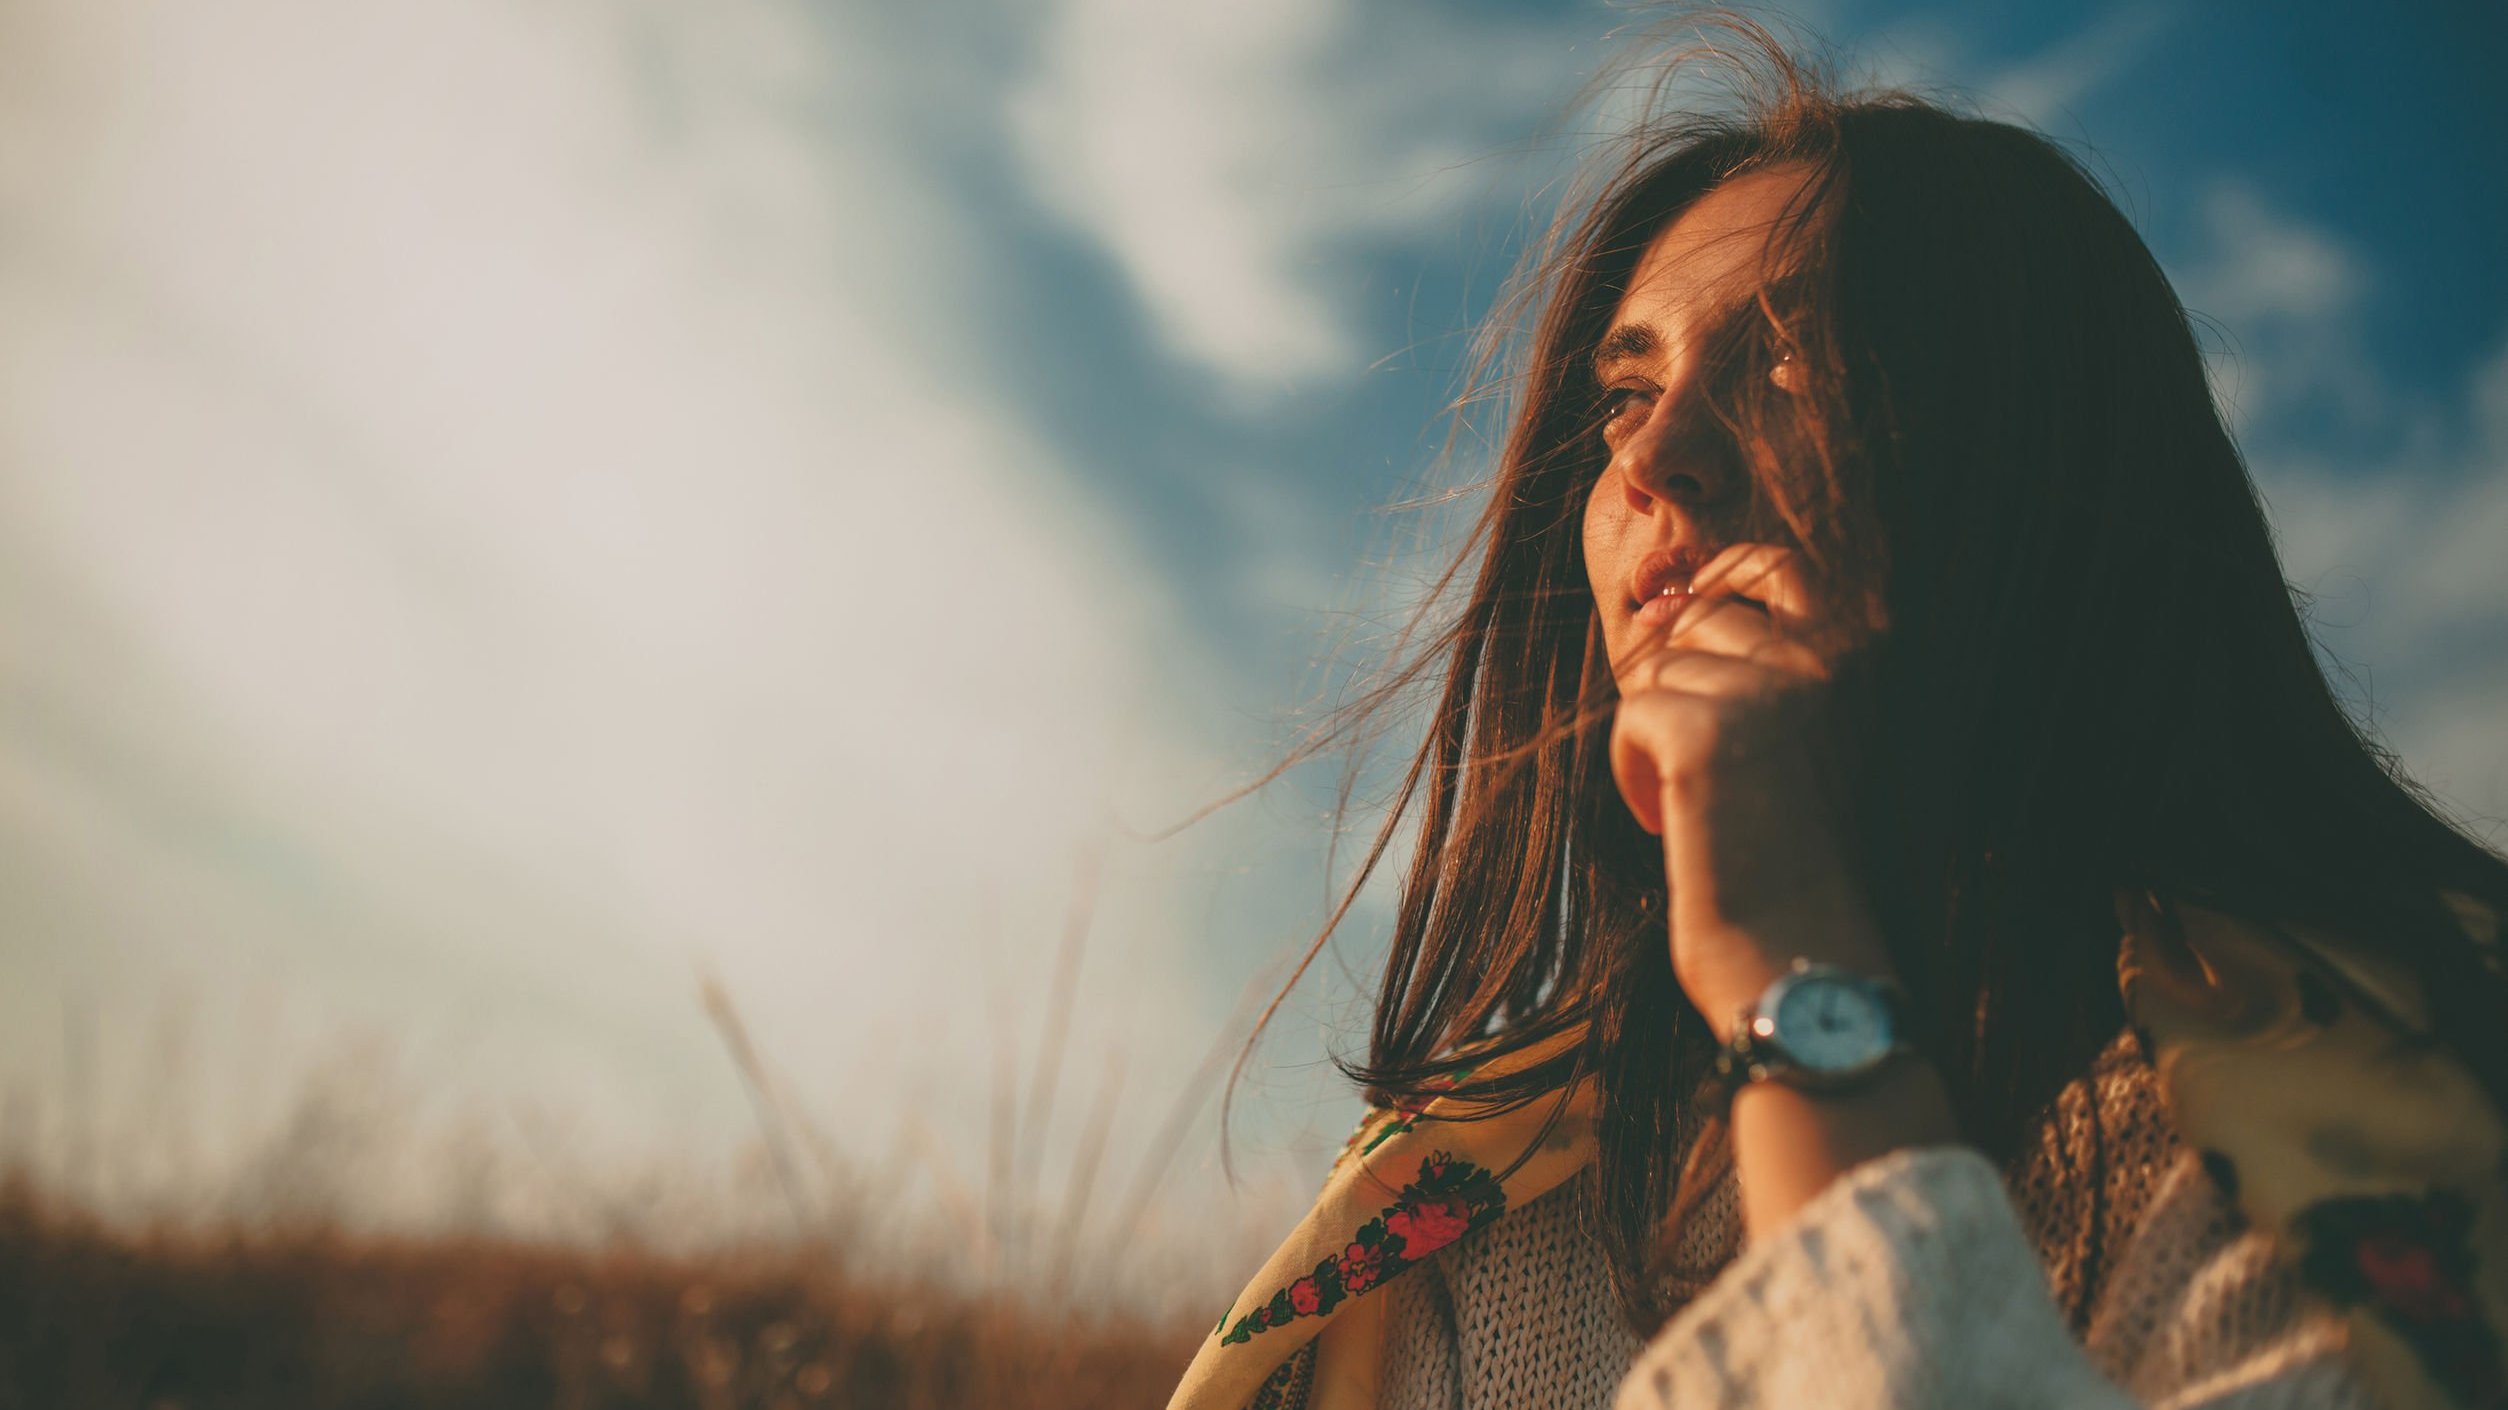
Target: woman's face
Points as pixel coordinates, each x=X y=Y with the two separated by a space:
x=1673 y=493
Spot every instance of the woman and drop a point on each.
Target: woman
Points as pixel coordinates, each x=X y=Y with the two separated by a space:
x=1877 y=646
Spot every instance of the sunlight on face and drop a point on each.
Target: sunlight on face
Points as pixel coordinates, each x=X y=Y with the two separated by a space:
x=1671 y=497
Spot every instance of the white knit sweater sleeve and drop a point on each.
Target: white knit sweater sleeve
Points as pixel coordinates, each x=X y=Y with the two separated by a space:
x=1909 y=1283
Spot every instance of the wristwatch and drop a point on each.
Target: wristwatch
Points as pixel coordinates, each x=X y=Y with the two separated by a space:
x=1818 y=1027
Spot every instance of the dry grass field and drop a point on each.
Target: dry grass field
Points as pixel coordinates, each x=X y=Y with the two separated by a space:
x=914 y=1288
x=98 y=1316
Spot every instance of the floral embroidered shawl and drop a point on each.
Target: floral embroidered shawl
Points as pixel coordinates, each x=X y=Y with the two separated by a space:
x=2301 y=1067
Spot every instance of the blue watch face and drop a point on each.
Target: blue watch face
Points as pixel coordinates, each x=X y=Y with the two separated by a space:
x=1832 y=1025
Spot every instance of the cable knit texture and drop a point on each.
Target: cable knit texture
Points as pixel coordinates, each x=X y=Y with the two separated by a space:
x=1911 y=1283
x=1521 y=1314
x=2103 y=1270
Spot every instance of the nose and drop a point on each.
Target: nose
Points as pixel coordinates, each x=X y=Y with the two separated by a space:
x=1678 y=457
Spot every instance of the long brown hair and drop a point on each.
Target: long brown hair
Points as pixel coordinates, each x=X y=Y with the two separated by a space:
x=2095 y=675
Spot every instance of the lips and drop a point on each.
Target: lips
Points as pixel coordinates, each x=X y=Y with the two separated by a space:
x=1662 y=572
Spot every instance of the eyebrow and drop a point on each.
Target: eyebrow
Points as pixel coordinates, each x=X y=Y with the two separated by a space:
x=1636 y=340
x=1629 y=340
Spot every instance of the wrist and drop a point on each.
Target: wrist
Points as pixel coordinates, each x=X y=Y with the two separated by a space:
x=1728 y=975
x=1790 y=1144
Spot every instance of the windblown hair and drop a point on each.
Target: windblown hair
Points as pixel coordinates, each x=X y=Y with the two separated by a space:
x=2094 y=674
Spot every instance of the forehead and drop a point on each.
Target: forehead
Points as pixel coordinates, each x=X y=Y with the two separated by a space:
x=1708 y=258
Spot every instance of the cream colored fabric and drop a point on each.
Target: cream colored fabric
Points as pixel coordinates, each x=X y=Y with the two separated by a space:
x=1521 y=1315
x=1306 y=1334
x=2298 y=1066
x=2305 y=1068
x=1910 y=1283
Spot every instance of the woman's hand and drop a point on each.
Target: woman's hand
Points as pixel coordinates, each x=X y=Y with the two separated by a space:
x=1716 y=747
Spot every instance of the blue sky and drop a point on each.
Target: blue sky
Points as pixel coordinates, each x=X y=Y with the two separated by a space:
x=514 y=510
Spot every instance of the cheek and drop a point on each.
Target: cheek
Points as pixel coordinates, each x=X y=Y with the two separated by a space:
x=1604 y=509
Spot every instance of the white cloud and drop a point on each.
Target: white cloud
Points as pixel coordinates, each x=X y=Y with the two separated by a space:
x=2285 y=292
x=1930 y=54
x=1230 y=157
x=495 y=515
x=2042 y=89
x=2269 y=267
x=2410 y=591
x=2397 y=548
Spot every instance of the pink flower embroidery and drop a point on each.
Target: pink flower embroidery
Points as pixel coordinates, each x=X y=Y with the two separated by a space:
x=1429 y=1226
x=1449 y=1197
x=1361 y=1267
x=2407 y=1277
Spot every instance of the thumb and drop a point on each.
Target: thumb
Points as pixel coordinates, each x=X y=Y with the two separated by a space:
x=1635 y=771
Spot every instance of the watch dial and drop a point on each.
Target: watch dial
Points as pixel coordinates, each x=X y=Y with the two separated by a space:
x=1831 y=1026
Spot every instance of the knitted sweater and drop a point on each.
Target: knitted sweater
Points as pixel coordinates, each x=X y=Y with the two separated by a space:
x=2103 y=1269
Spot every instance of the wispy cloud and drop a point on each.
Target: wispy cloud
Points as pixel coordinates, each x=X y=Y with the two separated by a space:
x=1230 y=159
x=2394 y=534
x=2042 y=89
x=2268 y=267
x=2410 y=591
x=2286 y=293
x=496 y=517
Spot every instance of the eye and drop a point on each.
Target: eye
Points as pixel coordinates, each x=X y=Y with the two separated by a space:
x=1612 y=408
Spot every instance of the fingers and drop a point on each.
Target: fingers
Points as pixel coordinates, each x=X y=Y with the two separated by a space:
x=1705 y=714
x=1726 y=629
x=1732 y=666
x=1731 y=625
x=1640 y=754
x=1727 y=626
x=1765 y=573
x=1753 y=667
x=1695 y=673
x=1740 y=629
x=1751 y=602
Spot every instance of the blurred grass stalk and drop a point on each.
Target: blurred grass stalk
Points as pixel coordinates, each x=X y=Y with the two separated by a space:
x=848 y=1296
